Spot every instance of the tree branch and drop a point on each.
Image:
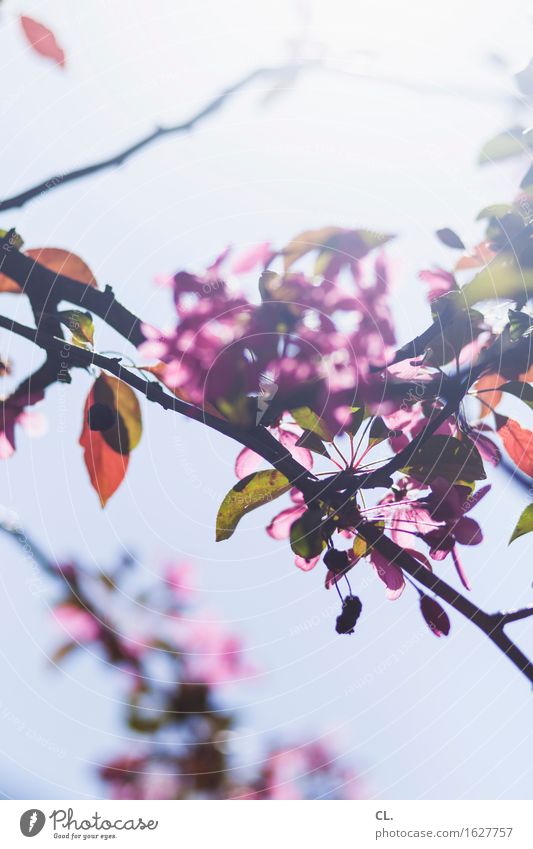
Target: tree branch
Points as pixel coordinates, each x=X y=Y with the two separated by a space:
x=513 y=615
x=46 y=289
x=263 y=443
x=120 y=158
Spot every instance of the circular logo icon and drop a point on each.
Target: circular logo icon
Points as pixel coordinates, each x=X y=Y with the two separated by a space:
x=32 y=822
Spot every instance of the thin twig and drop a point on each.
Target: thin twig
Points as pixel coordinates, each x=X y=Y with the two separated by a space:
x=120 y=158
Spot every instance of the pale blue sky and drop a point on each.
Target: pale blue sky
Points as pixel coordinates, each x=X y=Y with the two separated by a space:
x=419 y=718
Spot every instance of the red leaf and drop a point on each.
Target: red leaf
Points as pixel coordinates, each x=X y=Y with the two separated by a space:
x=59 y=261
x=518 y=442
x=106 y=467
x=42 y=40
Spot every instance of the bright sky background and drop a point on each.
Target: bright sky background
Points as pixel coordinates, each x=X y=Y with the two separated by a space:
x=419 y=718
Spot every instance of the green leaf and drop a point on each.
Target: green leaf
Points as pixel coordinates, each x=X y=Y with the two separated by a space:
x=494 y=210
x=312 y=442
x=305 y=417
x=524 y=391
x=306 y=535
x=524 y=524
x=510 y=143
x=446 y=457
x=252 y=491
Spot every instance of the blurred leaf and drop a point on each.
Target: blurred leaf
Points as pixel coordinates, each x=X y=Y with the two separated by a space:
x=503 y=277
x=42 y=40
x=251 y=492
x=446 y=457
x=305 y=242
x=481 y=255
x=524 y=524
x=306 y=535
x=350 y=245
x=495 y=210
x=450 y=239
x=524 y=80
x=510 y=143
x=62 y=652
x=64 y=262
x=57 y=260
x=517 y=441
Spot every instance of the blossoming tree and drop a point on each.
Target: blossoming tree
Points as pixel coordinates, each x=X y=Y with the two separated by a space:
x=383 y=448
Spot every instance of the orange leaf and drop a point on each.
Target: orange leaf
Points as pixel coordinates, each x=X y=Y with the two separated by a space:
x=42 y=40
x=106 y=467
x=59 y=261
x=527 y=377
x=489 y=381
x=481 y=255
x=518 y=442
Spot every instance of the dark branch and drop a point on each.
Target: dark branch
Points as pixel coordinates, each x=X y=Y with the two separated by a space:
x=46 y=289
x=513 y=615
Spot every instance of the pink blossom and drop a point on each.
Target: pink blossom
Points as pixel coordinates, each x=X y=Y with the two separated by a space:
x=79 y=624
x=251 y=258
x=439 y=282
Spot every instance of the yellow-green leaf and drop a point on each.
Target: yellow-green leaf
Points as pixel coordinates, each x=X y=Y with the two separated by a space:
x=501 y=278
x=80 y=325
x=360 y=547
x=510 y=143
x=524 y=524
x=251 y=492
x=309 y=420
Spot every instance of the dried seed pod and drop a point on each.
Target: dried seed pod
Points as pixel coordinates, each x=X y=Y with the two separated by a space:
x=351 y=610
